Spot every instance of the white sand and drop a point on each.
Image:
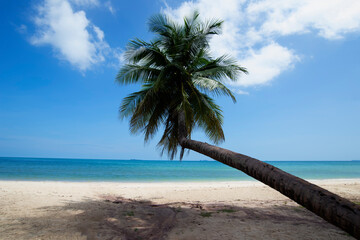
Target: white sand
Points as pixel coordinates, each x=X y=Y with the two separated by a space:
x=197 y=210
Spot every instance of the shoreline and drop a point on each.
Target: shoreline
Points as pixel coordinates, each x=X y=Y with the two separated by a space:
x=314 y=181
x=167 y=210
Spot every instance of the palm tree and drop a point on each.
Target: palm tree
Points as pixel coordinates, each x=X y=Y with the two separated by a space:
x=178 y=77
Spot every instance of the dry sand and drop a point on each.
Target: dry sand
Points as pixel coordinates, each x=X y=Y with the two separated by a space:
x=211 y=210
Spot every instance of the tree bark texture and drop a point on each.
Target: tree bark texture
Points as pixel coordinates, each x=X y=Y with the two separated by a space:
x=331 y=207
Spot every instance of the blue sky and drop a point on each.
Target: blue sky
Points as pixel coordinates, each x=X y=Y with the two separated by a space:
x=300 y=101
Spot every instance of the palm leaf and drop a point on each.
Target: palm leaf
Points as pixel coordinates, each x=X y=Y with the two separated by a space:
x=177 y=73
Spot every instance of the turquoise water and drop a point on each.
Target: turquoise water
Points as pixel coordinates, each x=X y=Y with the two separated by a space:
x=40 y=169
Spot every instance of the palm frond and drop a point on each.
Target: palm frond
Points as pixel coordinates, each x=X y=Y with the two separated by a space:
x=159 y=23
x=130 y=103
x=145 y=53
x=213 y=86
x=131 y=73
x=177 y=73
x=220 y=68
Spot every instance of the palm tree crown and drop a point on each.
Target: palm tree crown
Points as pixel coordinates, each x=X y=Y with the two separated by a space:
x=177 y=75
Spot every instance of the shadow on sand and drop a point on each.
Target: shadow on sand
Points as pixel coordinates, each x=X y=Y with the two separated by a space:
x=113 y=217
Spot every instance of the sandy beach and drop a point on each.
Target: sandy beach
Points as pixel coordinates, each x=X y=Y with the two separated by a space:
x=196 y=210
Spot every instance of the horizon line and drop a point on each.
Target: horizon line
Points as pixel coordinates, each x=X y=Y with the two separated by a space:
x=208 y=160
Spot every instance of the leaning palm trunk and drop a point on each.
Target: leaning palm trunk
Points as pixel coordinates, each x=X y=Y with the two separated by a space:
x=177 y=74
x=331 y=207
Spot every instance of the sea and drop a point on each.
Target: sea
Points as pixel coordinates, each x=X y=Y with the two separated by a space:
x=103 y=170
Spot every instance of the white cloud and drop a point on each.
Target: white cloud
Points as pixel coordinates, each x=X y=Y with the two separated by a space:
x=85 y=2
x=331 y=19
x=99 y=33
x=119 y=54
x=240 y=92
x=110 y=7
x=251 y=29
x=22 y=29
x=73 y=37
x=265 y=64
